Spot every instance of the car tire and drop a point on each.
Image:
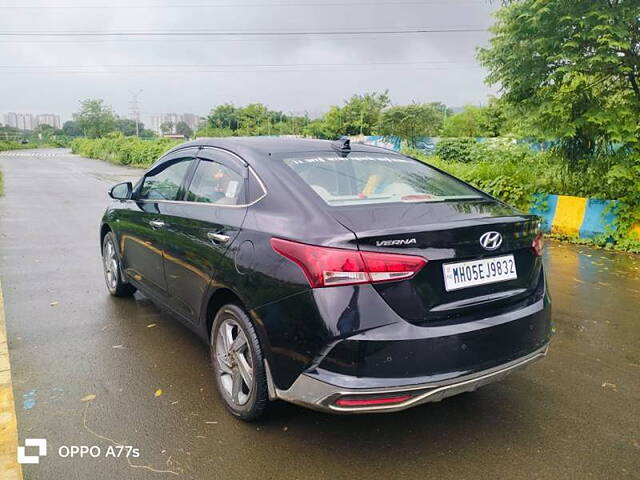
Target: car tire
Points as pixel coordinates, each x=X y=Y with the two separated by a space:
x=238 y=363
x=112 y=270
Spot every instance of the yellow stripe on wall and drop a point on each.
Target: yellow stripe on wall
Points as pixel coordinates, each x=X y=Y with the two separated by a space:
x=569 y=215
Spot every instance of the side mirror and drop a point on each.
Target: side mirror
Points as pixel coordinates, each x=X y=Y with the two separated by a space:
x=121 y=191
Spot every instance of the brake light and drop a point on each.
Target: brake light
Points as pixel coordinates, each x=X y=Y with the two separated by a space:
x=538 y=244
x=363 y=402
x=327 y=266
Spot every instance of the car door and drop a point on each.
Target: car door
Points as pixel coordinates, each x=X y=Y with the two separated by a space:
x=142 y=233
x=203 y=228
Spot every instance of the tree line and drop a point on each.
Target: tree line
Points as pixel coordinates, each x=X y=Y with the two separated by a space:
x=362 y=114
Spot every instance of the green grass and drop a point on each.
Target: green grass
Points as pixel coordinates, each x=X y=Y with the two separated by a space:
x=514 y=175
x=116 y=148
x=4 y=145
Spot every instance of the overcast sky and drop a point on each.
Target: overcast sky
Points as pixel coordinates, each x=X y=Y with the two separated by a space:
x=295 y=73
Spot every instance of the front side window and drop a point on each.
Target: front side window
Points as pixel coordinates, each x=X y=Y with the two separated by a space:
x=165 y=184
x=361 y=178
x=216 y=183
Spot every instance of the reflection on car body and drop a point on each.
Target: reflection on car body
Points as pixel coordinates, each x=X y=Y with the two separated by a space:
x=346 y=278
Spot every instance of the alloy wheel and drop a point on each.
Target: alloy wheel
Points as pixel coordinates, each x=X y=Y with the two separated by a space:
x=110 y=263
x=234 y=362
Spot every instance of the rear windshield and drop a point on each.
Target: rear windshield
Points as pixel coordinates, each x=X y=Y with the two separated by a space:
x=360 y=178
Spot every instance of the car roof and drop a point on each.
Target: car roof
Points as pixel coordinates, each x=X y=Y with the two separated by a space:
x=250 y=148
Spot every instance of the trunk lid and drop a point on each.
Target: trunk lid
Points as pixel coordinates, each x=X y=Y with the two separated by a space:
x=445 y=233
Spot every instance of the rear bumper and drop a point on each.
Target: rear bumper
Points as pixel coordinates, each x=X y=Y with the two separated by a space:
x=319 y=395
x=350 y=339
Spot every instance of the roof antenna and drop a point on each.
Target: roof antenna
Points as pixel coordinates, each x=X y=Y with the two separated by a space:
x=343 y=146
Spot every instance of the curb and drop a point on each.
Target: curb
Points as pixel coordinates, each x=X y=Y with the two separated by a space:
x=576 y=216
x=10 y=469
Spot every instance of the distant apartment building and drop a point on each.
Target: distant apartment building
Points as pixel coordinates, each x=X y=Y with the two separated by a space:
x=48 y=119
x=194 y=121
x=28 y=121
x=190 y=119
x=154 y=123
x=10 y=119
x=25 y=121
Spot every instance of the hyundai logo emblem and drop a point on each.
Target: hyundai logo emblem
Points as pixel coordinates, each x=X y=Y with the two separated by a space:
x=491 y=240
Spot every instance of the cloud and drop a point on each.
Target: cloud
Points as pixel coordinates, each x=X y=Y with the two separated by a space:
x=447 y=70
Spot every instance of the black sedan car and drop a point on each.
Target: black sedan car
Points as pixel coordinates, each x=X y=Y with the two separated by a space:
x=345 y=278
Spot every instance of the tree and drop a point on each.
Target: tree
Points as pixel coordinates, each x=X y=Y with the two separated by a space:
x=95 y=118
x=497 y=118
x=146 y=133
x=467 y=123
x=167 y=128
x=409 y=122
x=128 y=126
x=46 y=132
x=209 y=131
x=331 y=124
x=224 y=116
x=316 y=129
x=8 y=133
x=361 y=114
x=71 y=129
x=253 y=119
x=491 y=120
x=571 y=70
x=183 y=129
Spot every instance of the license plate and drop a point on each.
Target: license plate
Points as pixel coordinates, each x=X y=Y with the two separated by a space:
x=479 y=272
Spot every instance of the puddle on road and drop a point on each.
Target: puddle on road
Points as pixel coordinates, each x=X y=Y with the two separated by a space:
x=595 y=296
x=593 y=266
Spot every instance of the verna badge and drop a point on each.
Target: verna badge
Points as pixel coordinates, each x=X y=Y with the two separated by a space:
x=395 y=243
x=491 y=240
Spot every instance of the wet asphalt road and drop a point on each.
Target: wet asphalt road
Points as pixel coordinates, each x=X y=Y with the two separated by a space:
x=575 y=414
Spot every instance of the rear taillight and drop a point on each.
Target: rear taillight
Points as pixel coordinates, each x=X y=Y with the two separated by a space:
x=326 y=266
x=538 y=244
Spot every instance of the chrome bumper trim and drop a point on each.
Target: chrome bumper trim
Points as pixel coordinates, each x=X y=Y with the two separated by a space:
x=312 y=393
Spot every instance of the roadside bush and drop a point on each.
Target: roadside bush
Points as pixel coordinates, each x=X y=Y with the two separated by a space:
x=513 y=173
x=506 y=180
x=4 y=145
x=499 y=167
x=468 y=150
x=117 y=148
x=456 y=149
x=60 y=142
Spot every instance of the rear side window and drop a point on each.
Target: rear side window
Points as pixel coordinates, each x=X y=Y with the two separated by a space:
x=165 y=184
x=362 y=178
x=216 y=183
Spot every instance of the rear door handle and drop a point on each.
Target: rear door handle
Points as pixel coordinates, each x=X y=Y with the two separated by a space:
x=155 y=224
x=218 y=237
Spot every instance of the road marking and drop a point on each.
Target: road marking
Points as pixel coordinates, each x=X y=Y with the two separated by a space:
x=13 y=153
x=9 y=467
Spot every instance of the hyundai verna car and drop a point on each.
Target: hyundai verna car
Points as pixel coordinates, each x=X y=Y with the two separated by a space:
x=345 y=278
